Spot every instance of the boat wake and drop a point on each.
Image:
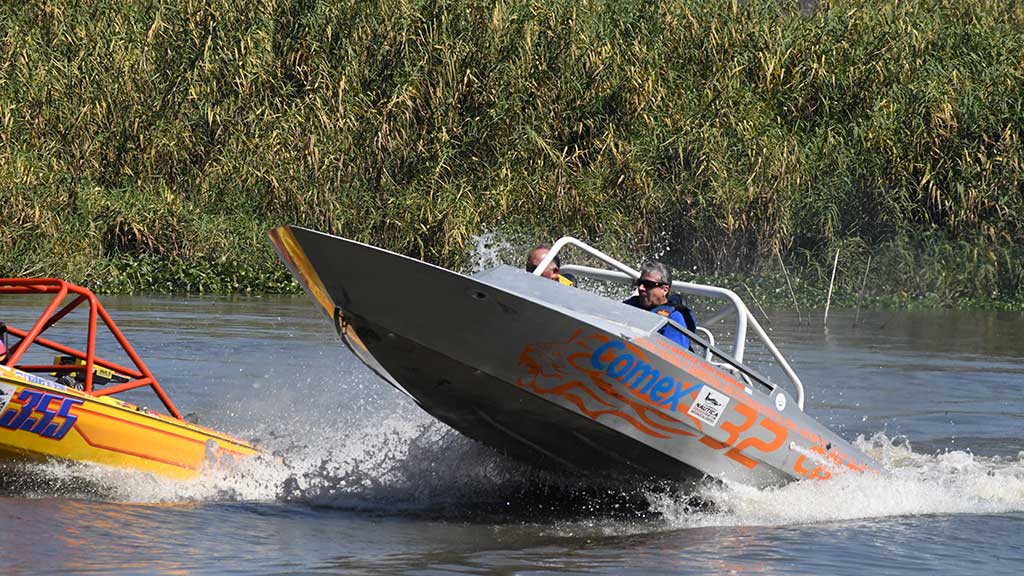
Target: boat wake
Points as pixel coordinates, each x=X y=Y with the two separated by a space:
x=409 y=465
x=954 y=482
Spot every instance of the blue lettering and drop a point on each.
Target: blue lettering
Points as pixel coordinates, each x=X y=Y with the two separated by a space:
x=664 y=385
x=620 y=366
x=38 y=404
x=15 y=419
x=612 y=359
x=595 y=359
x=69 y=418
x=640 y=372
x=680 y=394
x=47 y=414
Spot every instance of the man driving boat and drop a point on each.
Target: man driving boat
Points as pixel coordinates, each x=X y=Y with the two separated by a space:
x=653 y=288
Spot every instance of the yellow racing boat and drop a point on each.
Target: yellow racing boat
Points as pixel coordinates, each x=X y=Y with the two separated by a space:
x=69 y=408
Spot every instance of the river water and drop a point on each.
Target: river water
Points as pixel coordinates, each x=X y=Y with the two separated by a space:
x=366 y=483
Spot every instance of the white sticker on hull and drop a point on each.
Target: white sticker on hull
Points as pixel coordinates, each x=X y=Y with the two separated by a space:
x=709 y=405
x=37 y=380
x=6 y=393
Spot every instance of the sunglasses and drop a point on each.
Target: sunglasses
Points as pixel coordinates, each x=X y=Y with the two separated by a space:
x=649 y=284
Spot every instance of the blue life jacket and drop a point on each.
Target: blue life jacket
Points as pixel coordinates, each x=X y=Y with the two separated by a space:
x=668 y=330
x=676 y=300
x=675 y=310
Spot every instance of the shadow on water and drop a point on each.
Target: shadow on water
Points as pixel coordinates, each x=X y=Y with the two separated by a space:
x=540 y=498
x=33 y=479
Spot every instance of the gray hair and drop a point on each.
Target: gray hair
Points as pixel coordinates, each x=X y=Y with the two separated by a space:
x=655 y=267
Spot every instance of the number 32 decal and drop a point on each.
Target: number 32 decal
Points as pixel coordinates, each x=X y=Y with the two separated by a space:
x=734 y=430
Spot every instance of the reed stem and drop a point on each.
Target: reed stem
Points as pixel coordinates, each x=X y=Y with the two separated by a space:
x=831 y=284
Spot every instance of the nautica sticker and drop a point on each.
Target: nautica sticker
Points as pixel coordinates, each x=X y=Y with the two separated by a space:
x=709 y=405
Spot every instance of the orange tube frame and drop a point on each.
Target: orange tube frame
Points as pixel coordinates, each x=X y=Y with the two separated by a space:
x=141 y=377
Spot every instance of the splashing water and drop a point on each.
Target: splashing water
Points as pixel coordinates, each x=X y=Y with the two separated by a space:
x=408 y=464
x=948 y=483
x=491 y=249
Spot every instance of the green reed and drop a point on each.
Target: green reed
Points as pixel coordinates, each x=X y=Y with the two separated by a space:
x=148 y=146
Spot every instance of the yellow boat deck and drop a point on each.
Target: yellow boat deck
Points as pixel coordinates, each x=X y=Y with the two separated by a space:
x=41 y=418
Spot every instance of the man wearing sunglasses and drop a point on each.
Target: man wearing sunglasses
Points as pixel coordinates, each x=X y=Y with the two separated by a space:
x=653 y=294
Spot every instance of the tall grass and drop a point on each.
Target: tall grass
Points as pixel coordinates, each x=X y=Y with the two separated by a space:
x=149 y=145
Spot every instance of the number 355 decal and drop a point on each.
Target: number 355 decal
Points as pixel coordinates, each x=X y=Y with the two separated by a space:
x=43 y=413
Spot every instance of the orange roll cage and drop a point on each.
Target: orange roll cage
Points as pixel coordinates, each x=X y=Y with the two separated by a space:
x=140 y=377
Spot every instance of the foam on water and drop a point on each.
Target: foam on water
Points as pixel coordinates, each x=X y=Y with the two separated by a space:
x=955 y=482
x=408 y=463
x=402 y=463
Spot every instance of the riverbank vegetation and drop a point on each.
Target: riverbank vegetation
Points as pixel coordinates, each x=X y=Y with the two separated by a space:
x=149 y=146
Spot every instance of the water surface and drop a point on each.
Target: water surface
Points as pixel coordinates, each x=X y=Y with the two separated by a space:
x=364 y=482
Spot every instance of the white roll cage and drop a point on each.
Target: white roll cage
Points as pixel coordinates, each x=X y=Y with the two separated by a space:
x=624 y=274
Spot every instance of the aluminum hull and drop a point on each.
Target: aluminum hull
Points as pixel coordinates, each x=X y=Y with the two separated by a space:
x=557 y=376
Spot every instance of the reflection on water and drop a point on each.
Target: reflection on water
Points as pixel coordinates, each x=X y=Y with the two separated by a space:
x=364 y=481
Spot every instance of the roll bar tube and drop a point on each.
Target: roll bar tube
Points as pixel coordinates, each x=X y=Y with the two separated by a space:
x=139 y=377
x=626 y=274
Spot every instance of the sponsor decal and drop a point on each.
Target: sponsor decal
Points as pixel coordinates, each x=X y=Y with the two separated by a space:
x=608 y=381
x=43 y=413
x=709 y=405
x=645 y=381
x=37 y=380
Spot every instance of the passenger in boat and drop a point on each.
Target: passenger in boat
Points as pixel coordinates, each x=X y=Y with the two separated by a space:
x=654 y=289
x=552 y=271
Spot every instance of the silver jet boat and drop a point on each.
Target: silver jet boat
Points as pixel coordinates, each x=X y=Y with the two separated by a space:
x=566 y=378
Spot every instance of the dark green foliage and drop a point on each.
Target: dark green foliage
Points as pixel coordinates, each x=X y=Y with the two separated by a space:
x=148 y=146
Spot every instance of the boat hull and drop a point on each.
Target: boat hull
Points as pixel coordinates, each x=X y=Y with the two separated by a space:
x=518 y=423
x=554 y=375
x=40 y=420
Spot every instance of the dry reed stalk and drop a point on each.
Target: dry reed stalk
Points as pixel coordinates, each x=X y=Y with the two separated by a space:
x=831 y=284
